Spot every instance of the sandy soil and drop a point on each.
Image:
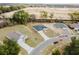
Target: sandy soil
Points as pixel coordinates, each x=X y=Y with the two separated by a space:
x=60 y=13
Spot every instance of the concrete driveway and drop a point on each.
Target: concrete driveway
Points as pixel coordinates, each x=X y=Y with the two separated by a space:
x=21 y=42
x=43 y=35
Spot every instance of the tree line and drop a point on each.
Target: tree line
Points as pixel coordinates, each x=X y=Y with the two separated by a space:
x=4 y=9
x=23 y=17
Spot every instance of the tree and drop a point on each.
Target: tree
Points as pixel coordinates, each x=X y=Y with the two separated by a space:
x=20 y=17
x=4 y=9
x=9 y=47
x=51 y=16
x=44 y=14
x=56 y=52
x=13 y=8
x=73 y=48
x=32 y=17
x=74 y=16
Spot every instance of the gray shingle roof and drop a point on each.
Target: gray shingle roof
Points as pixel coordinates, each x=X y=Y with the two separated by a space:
x=14 y=35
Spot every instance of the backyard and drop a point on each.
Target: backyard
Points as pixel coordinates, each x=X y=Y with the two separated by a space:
x=33 y=37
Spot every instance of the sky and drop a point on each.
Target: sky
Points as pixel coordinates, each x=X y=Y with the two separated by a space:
x=42 y=1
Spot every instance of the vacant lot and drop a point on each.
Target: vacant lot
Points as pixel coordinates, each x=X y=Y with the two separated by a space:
x=59 y=13
x=50 y=33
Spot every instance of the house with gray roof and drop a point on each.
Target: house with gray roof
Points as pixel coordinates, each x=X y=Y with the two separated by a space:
x=15 y=36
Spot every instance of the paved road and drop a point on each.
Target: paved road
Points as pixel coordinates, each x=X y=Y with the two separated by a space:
x=37 y=50
x=41 y=46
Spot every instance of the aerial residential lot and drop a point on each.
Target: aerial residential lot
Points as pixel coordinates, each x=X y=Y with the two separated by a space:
x=25 y=30
x=34 y=38
x=39 y=35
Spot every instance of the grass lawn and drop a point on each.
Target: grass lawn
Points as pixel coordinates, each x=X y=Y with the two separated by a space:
x=6 y=30
x=33 y=38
